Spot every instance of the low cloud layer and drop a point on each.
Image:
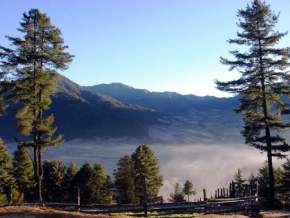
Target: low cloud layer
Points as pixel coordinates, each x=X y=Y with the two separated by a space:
x=188 y=148
x=208 y=165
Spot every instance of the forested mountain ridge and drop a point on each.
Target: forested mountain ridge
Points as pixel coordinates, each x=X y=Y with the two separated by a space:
x=166 y=102
x=117 y=110
x=83 y=114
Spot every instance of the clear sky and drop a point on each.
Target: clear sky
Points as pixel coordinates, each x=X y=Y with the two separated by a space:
x=160 y=45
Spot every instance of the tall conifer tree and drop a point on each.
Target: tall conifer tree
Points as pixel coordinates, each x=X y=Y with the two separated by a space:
x=34 y=60
x=148 y=180
x=263 y=83
x=102 y=185
x=85 y=181
x=125 y=181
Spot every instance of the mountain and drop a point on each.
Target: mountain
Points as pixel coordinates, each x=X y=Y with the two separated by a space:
x=118 y=110
x=165 y=102
x=186 y=118
x=82 y=114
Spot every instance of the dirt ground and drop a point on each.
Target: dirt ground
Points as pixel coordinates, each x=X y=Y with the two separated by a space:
x=275 y=214
x=38 y=212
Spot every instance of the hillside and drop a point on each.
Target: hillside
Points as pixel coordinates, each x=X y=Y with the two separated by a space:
x=187 y=118
x=81 y=114
x=117 y=110
x=166 y=102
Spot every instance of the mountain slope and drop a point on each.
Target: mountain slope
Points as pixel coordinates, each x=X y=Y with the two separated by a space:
x=187 y=118
x=166 y=102
x=83 y=114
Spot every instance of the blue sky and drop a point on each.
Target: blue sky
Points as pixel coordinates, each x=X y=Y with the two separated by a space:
x=160 y=45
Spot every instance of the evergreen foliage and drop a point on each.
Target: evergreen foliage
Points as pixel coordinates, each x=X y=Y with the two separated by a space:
x=178 y=195
x=94 y=184
x=34 y=61
x=7 y=181
x=70 y=192
x=125 y=181
x=102 y=185
x=239 y=181
x=23 y=173
x=188 y=189
x=263 y=181
x=285 y=183
x=53 y=180
x=263 y=83
x=148 y=180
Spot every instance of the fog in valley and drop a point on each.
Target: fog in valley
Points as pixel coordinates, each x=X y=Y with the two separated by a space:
x=208 y=156
x=209 y=162
x=207 y=166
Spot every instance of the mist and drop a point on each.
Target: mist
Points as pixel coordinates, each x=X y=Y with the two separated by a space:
x=208 y=156
x=208 y=166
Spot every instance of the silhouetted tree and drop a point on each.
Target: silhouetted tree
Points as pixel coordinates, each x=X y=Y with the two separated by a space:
x=285 y=183
x=188 y=189
x=239 y=182
x=263 y=181
x=34 y=60
x=178 y=195
x=264 y=80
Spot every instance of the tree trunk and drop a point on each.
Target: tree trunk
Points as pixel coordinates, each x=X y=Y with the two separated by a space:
x=271 y=194
x=39 y=176
x=145 y=203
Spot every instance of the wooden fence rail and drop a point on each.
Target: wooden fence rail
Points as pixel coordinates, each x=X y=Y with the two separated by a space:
x=221 y=206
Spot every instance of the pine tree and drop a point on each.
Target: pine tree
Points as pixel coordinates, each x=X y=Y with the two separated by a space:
x=285 y=183
x=239 y=182
x=102 y=185
x=148 y=180
x=263 y=181
x=69 y=182
x=263 y=83
x=35 y=58
x=188 y=189
x=53 y=180
x=85 y=181
x=108 y=191
x=23 y=173
x=125 y=181
x=7 y=180
x=178 y=195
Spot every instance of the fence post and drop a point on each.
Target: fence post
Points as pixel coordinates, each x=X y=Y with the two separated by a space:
x=204 y=195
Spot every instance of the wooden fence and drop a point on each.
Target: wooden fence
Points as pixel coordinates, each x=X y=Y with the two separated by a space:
x=247 y=206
